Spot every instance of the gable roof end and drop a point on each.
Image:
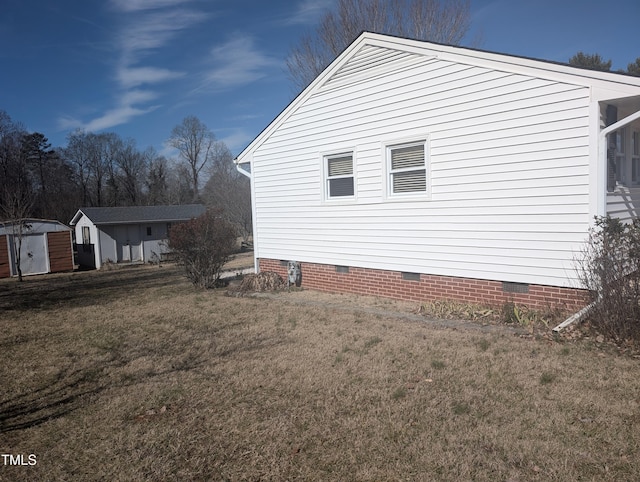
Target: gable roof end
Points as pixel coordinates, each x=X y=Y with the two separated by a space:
x=512 y=63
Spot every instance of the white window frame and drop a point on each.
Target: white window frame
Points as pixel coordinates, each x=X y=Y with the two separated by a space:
x=621 y=164
x=326 y=179
x=635 y=157
x=389 y=172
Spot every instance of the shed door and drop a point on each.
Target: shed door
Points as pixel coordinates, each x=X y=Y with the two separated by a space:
x=123 y=249
x=33 y=254
x=128 y=243
x=136 y=242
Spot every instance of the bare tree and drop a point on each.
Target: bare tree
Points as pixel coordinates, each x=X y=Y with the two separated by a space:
x=87 y=152
x=179 y=187
x=157 y=180
x=195 y=144
x=132 y=166
x=229 y=190
x=442 y=21
x=16 y=208
x=16 y=194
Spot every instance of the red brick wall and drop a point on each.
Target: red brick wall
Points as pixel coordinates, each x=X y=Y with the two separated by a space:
x=5 y=269
x=60 y=251
x=389 y=284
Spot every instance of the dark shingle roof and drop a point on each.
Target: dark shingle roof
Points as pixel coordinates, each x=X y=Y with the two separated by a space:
x=141 y=214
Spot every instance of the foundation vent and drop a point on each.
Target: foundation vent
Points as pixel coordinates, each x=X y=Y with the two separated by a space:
x=410 y=276
x=508 y=287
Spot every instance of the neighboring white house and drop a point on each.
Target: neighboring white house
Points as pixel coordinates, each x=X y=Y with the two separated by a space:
x=45 y=246
x=417 y=170
x=126 y=234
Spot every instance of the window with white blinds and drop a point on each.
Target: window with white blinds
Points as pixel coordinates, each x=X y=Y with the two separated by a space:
x=407 y=169
x=339 y=169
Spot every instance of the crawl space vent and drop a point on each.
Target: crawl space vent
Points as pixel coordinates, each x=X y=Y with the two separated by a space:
x=508 y=287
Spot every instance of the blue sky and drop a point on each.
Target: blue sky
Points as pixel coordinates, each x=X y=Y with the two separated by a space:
x=138 y=67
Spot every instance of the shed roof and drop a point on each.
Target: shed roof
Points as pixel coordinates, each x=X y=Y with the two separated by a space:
x=33 y=226
x=139 y=214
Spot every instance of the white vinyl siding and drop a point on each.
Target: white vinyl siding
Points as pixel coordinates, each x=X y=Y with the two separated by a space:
x=339 y=175
x=506 y=171
x=407 y=169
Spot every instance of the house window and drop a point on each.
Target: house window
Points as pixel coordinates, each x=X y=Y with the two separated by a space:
x=339 y=176
x=86 y=238
x=148 y=230
x=407 y=168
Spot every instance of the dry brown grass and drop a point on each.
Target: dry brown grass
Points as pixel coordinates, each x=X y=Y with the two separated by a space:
x=134 y=375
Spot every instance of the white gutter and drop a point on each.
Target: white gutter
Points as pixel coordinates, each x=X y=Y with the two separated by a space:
x=243 y=171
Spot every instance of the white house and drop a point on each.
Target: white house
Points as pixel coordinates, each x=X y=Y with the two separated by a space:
x=417 y=170
x=126 y=234
x=45 y=246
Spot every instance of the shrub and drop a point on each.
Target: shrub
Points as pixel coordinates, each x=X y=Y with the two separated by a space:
x=609 y=268
x=203 y=245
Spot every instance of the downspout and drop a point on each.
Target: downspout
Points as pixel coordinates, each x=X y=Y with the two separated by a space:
x=244 y=172
x=602 y=211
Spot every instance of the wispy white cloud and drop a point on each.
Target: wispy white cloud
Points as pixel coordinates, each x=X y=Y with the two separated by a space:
x=237 y=62
x=149 y=26
x=117 y=116
x=66 y=123
x=243 y=117
x=126 y=109
x=132 y=97
x=237 y=139
x=136 y=5
x=134 y=76
x=146 y=32
x=308 y=11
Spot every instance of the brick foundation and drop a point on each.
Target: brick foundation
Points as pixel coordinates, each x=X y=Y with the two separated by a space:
x=390 y=284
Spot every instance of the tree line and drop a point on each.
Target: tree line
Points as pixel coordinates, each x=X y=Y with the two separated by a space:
x=103 y=169
x=596 y=62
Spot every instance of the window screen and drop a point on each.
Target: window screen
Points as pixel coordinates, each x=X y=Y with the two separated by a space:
x=407 y=169
x=340 y=176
